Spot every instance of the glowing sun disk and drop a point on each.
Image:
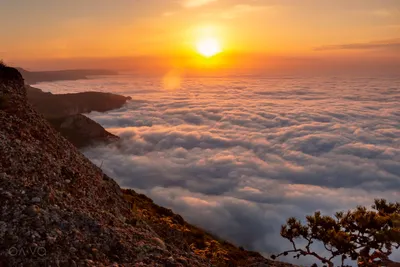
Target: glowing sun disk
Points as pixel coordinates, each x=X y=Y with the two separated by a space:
x=208 y=47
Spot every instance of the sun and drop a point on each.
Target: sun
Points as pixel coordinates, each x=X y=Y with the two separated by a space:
x=208 y=47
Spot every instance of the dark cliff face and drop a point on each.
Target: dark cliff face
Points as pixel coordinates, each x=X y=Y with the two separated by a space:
x=82 y=131
x=59 y=105
x=63 y=113
x=59 y=209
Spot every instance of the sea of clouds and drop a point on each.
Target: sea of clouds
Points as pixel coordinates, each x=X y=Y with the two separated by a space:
x=238 y=156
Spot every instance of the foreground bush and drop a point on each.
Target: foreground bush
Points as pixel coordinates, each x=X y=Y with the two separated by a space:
x=362 y=235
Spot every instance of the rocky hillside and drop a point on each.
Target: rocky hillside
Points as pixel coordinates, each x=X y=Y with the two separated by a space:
x=59 y=209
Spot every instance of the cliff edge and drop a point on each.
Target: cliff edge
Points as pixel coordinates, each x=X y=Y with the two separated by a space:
x=59 y=209
x=61 y=105
x=63 y=111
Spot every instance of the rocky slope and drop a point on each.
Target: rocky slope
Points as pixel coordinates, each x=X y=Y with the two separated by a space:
x=32 y=77
x=59 y=209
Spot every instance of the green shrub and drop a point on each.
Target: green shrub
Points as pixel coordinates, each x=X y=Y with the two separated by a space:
x=365 y=236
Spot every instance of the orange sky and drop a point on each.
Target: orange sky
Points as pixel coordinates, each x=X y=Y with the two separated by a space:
x=134 y=33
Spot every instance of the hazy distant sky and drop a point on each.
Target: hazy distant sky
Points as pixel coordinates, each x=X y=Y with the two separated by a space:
x=48 y=30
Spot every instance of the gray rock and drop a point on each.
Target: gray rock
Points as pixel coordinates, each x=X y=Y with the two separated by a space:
x=73 y=250
x=36 y=200
x=160 y=243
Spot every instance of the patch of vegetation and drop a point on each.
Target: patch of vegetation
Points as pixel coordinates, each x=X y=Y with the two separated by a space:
x=174 y=231
x=362 y=235
x=2 y=64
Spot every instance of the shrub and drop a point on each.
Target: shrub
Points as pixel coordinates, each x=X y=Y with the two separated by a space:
x=365 y=236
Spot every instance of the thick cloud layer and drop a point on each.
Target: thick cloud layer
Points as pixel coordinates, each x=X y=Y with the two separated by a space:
x=237 y=156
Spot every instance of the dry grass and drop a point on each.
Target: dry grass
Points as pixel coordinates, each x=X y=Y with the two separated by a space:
x=174 y=231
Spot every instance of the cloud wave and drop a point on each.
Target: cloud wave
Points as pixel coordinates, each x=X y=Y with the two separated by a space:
x=239 y=156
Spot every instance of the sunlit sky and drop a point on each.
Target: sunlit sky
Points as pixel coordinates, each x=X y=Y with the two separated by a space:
x=42 y=33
